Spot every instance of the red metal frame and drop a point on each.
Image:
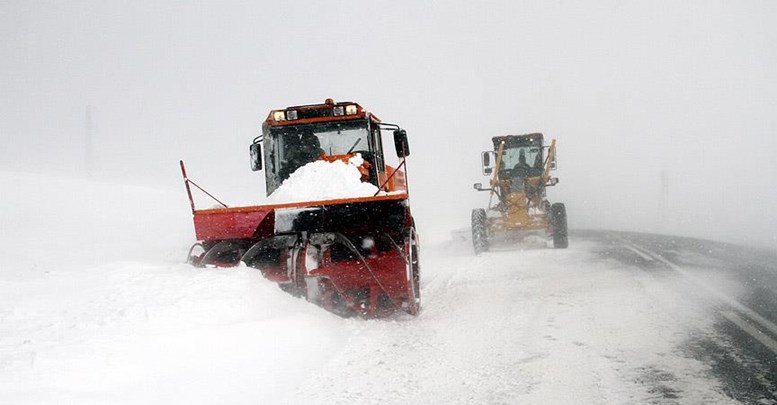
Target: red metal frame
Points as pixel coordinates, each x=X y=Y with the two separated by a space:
x=258 y=221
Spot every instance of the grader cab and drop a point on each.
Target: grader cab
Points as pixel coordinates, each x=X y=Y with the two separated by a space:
x=519 y=167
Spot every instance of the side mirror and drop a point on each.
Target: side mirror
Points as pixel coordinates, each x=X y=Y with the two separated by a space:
x=401 y=144
x=479 y=187
x=256 y=156
x=488 y=159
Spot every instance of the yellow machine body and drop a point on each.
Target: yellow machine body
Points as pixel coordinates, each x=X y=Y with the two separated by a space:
x=520 y=174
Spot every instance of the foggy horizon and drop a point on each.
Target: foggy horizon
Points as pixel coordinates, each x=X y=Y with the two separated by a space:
x=665 y=113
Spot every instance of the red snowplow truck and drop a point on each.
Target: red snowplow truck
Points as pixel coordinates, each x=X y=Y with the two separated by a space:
x=352 y=256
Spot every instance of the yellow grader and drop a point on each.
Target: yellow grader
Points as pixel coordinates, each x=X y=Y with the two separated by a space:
x=520 y=167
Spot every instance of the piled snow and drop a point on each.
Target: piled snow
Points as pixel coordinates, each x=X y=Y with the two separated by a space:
x=321 y=180
x=98 y=307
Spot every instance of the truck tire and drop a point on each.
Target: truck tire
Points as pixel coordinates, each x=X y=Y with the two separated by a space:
x=558 y=217
x=414 y=286
x=479 y=232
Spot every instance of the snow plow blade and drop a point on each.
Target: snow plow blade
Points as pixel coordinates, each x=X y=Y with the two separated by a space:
x=355 y=256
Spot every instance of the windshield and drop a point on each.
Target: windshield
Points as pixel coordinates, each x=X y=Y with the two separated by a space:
x=291 y=147
x=527 y=158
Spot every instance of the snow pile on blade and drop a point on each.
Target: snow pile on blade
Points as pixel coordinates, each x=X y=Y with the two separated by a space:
x=322 y=180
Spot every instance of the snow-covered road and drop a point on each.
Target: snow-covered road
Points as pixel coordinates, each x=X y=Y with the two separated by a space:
x=605 y=321
x=532 y=326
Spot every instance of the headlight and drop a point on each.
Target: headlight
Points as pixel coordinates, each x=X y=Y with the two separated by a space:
x=279 y=115
x=350 y=109
x=291 y=115
x=338 y=111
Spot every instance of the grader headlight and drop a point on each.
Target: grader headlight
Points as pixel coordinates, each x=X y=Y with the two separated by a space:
x=279 y=115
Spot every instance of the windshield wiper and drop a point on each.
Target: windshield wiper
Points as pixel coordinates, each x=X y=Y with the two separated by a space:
x=354 y=145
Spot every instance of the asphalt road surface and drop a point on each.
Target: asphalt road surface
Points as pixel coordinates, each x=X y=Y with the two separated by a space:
x=739 y=283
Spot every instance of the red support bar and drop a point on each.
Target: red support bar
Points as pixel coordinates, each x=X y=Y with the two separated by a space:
x=186 y=183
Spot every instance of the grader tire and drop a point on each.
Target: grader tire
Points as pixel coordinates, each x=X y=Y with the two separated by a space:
x=559 y=220
x=479 y=233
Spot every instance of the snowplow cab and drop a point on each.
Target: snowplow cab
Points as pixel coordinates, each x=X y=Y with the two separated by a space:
x=297 y=135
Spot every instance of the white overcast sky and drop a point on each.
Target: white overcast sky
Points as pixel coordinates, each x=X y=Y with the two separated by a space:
x=665 y=111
